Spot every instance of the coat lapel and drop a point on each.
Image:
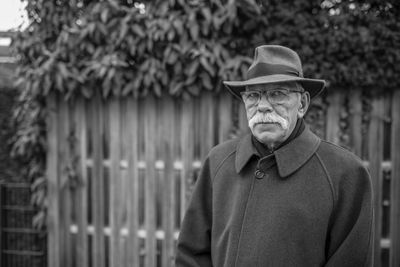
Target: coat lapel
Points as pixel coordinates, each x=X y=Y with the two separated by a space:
x=289 y=158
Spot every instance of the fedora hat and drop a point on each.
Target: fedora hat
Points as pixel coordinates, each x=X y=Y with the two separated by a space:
x=275 y=64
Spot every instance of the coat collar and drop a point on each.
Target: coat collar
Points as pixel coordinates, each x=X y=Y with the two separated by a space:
x=289 y=158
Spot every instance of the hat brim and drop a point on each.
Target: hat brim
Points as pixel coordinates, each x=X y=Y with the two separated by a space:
x=313 y=86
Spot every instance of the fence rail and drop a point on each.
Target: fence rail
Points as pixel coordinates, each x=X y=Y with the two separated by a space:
x=121 y=170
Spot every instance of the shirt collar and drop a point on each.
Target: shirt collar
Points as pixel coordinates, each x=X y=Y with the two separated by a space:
x=289 y=158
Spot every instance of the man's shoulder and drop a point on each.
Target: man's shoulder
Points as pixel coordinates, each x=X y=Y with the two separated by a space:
x=223 y=152
x=225 y=148
x=345 y=170
x=337 y=159
x=336 y=152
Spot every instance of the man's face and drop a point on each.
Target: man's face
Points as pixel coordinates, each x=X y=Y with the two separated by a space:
x=273 y=118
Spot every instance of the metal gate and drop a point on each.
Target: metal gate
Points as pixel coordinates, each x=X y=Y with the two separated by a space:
x=20 y=244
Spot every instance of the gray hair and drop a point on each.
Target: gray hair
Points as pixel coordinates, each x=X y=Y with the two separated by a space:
x=300 y=86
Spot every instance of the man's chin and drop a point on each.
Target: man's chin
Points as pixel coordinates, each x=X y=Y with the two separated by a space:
x=268 y=133
x=267 y=126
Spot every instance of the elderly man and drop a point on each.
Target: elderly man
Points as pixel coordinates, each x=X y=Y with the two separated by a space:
x=280 y=196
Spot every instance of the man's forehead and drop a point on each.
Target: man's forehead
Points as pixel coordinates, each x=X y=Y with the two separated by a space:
x=272 y=86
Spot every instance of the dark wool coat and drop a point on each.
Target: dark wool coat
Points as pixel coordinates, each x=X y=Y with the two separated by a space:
x=307 y=204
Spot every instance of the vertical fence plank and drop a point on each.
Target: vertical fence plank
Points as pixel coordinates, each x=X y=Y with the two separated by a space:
x=355 y=117
x=115 y=183
x=133 y=184
x=65 y=156
x=225 y=119
x=206 y=124
x=375 y=158
x=82 y=205
x=52 y=161
x=150 y=181
x=243 y=122
x=168 y=182
x=3 y=201
x=98 y=240
x=333 y=117
x=187 y=147
x=395 y=184
x=2 y=261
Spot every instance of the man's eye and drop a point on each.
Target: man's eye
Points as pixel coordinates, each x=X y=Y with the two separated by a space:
x=253 y=95
x=277 y=94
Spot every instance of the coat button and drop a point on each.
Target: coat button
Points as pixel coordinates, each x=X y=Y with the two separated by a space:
x=259 y=174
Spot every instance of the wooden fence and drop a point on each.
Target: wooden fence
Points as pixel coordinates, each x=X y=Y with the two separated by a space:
x=120 y=171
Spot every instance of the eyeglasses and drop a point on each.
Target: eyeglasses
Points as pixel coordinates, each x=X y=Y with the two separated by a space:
x=276 y=96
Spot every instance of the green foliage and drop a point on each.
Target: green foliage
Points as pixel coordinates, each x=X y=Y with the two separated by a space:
x=182 y=47
x=8 y=168
x=179 y=47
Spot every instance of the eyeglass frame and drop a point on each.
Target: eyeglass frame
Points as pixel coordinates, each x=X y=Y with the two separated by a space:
x=267 y=92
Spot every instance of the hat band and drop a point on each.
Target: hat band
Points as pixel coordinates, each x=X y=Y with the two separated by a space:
x=265 y=69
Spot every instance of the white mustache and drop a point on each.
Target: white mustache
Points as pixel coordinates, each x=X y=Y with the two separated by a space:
x=268 y=118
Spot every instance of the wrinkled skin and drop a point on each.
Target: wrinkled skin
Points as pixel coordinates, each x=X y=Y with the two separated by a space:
x=270 y=133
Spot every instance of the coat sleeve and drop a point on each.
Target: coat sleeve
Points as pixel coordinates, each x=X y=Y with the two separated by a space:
x=194 y=242
x=351 y=235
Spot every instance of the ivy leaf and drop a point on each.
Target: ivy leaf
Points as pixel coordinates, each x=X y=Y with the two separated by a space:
x=157 y=89
x=206 y=81
x=104 y=15
x=207 y=14
x=123 y=31
x=86 y=92
x=194 y=31
x=59 y=82
x=172 y=57
x=178 y=25
x=138 y=30
x=63 y=70
x=192 y=69
x=175 y=88
x=38 y=220
x=194 y=89
x=207 y=66
x=128 y=88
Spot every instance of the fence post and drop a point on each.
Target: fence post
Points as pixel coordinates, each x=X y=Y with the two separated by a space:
x=187 y=147
x=97 y=182
x=375 y=142
x=132 y=250
x=82 y=241
x=1 y=223
x=332 y=133
x=168 y=196
x=150 y=182
x=53 y=215
x=115 y=184
x=225 y=119
x=395 y=183
x=355 y=121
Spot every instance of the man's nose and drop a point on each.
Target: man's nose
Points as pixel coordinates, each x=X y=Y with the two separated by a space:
x=264 y=104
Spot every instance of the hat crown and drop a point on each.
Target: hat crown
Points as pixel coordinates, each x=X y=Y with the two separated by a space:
x=275 y=64
x=277 y=55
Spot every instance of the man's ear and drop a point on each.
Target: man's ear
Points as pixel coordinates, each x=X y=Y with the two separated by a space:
x=304 y=104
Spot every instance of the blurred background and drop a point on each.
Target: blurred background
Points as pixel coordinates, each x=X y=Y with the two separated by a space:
x=108 y=108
